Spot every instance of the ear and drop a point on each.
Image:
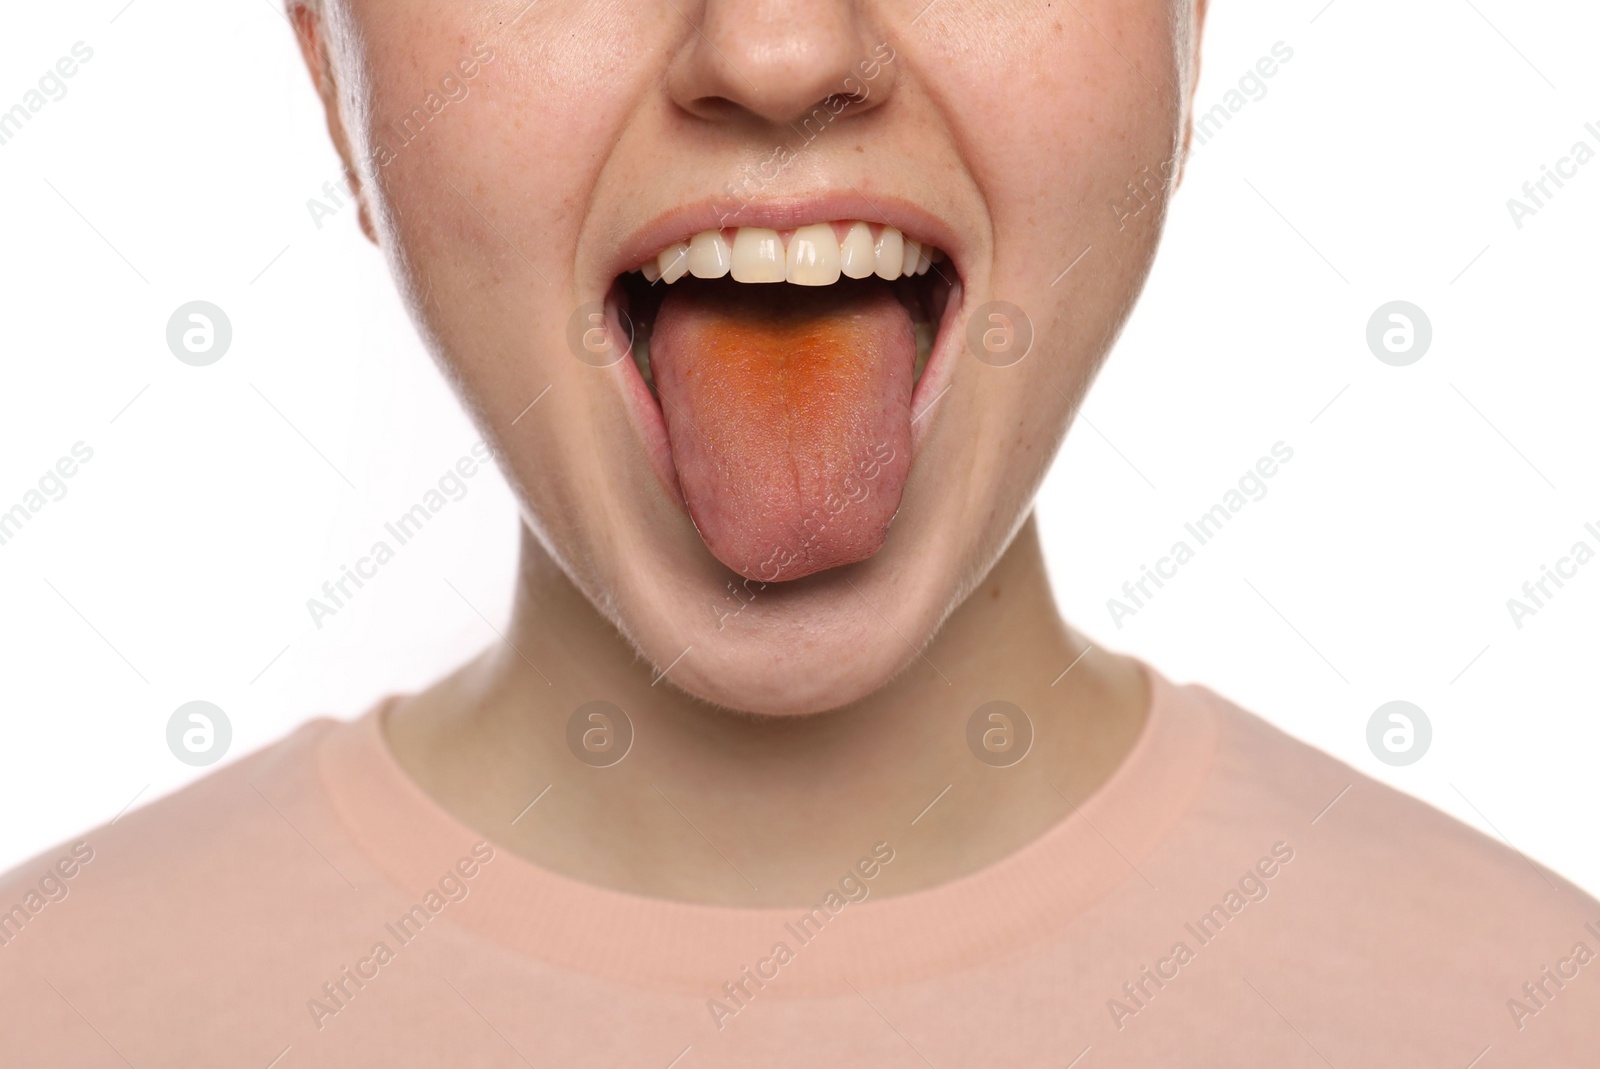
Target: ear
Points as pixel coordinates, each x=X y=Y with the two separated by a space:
x=1196 y=34
x=311 y=32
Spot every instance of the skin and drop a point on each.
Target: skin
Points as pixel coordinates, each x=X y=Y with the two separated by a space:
x=826 y=713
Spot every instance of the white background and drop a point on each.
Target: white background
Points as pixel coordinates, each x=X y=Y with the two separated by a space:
x=1377 y=167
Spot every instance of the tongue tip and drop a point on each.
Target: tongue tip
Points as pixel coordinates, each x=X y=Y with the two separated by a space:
x=784 y=536
x=784 y=564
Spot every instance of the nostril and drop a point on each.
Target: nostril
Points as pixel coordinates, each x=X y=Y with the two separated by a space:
x=721 y=109
x=713 y=108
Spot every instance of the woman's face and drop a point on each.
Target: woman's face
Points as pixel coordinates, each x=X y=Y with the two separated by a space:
x=519 y=159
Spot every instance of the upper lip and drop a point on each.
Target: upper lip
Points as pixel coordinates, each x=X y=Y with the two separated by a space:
x=787 y=213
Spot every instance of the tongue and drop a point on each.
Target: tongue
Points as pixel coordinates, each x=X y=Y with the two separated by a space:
x=788 y=410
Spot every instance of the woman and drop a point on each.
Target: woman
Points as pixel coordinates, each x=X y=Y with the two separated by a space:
x=774 y=316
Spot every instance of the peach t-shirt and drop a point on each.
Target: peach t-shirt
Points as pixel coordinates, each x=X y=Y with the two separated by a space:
x=1229 y=897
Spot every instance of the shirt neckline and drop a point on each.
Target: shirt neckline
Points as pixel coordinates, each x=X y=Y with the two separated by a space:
x=565 y=923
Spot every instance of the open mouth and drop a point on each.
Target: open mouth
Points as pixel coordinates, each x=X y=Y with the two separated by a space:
x=784 y=364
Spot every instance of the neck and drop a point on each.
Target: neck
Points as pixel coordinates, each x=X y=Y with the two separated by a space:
x=720 y=807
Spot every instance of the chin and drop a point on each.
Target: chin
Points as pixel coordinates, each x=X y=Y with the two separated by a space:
x=794 y=648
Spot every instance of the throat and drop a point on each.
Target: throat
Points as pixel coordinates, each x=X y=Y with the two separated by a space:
x=729 y=809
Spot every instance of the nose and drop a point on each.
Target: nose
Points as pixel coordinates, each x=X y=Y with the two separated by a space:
x=778 y=61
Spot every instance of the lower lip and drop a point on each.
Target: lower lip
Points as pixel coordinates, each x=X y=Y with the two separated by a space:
x=645 y=411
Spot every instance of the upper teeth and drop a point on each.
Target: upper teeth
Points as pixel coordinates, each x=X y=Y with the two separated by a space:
x=814 y=255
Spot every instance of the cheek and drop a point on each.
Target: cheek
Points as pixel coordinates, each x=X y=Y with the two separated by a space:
x=1055 y=121
x=1059 y=113
x=479 y=212
x=486 y=189
x=478 y=199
